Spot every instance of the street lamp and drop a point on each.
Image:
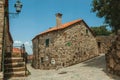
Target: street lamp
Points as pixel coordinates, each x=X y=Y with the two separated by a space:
x=18 y=5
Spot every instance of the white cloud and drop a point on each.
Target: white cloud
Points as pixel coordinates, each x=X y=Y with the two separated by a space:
x=28 y=43
x=29 y=50
x=28 y=46
x=17 y=42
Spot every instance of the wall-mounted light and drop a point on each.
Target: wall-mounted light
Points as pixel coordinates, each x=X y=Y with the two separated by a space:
x=18 y=5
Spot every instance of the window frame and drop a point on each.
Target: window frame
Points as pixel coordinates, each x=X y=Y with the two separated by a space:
x=47 y=42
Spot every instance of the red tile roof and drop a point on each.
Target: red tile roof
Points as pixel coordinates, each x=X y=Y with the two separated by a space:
x=16 y=50
x=62 y=26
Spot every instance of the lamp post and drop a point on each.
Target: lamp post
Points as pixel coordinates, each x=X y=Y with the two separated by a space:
x=18 y=6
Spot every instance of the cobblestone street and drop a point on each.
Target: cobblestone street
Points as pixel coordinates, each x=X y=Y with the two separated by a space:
x=93 y=69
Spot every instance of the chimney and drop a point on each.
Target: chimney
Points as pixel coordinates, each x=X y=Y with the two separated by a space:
x=58 y=19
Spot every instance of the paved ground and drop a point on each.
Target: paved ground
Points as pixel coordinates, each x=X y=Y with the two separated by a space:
x=93 y=69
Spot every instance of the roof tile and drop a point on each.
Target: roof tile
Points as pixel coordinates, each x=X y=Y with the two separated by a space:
x=16 y=50
x=62 y=26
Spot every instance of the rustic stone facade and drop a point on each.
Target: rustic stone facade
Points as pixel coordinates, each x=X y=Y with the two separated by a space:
x=1 y=28
x=104 y=43
x=1 y=34
x=113 y=57
x=64 y=47
x=5 y=36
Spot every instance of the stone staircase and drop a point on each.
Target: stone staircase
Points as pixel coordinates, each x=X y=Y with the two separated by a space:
x=14 y=66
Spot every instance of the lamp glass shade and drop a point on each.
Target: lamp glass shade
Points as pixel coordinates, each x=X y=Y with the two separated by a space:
x=18 y=6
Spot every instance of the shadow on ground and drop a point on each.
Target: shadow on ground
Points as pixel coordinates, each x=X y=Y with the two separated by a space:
x=99 y=62
x=114 y=77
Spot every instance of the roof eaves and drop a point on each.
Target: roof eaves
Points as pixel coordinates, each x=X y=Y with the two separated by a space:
x=59 y=28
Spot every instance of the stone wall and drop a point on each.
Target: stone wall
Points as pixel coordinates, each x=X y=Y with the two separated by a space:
x=66 y=47
x=4 y=23
x=1 y=28
x=8 y=41
x=113 y=57
x=104 y=43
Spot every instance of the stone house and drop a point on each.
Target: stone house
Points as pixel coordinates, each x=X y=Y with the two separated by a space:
x=6 y=41
x=64 y=45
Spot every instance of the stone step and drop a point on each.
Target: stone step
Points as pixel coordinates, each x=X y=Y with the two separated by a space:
x=13 y=55
x=13 y=59
x=8 y=54
x=16 y=78
x=1 y=75
x=15 y=64
x=15 y=69
x=15 y=74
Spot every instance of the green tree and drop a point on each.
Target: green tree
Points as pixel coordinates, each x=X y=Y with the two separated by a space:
x=101 y=30
x=110 y=10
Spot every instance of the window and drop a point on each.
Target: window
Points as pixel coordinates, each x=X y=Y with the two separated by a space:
x=47 y=42
x=99 y=44
x=42 y=60
x=86 y=31
x=63 y=64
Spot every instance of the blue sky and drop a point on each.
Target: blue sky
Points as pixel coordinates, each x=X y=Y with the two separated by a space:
x=38 y=15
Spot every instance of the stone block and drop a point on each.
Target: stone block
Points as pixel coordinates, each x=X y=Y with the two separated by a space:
x=113 y=57
x=118 y=54
x=1 y=75
x=117 y=67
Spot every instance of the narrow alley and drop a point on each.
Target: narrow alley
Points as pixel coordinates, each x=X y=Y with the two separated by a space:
x=93 y=69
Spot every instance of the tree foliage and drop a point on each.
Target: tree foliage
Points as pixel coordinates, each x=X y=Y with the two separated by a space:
x=101 y=30
x=110 y=10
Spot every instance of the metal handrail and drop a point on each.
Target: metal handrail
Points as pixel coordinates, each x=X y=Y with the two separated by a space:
x=24 y=55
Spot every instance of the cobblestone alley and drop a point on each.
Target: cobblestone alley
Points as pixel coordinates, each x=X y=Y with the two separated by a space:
x=93 y=69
